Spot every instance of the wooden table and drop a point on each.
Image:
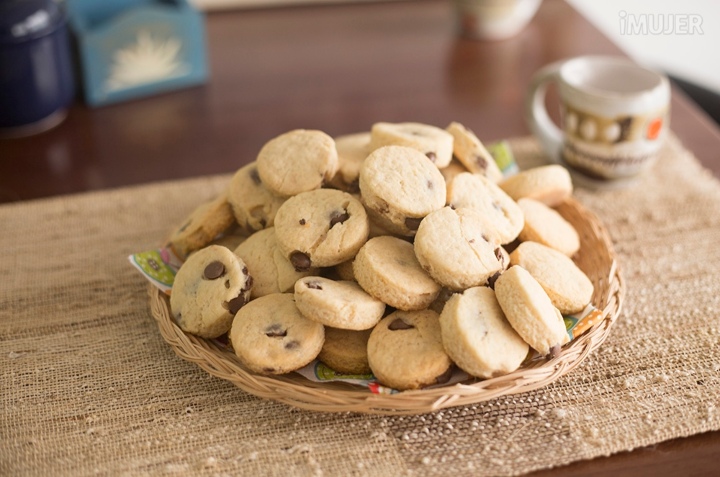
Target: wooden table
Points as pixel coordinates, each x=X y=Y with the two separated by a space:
x=337 y=68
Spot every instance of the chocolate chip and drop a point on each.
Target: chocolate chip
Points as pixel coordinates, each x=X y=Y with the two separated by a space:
x=555 y=351
x=471 y=241
x=234 y=305
x=430 y=185
x=302 y=222
x=315 y=285
x=255 y=176
x=292 y=345
x=248 y=283
x=275 y=331
x=452 y=206
x=399 y=324
x=481 y=161
x=338 y=218
x=491 y=281
x=444 y=377
x=431 y=155
x=383 y=207
x=413 y=223
x=214 y=270
x=245 y=271
x=500 y=257
x=300 y=261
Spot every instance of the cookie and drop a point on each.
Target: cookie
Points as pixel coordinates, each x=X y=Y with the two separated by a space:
x=503 y=214
x=297 y=161
x=405 y=351
x=569 y=289
x=433 y=142
x=472 y=154
x=345 y=351
x=271 y=336
x=321 y=228
x=352 y=149
x=253 y=205
x=203 y=224
x=271 y=270
x=387 y=268
x=340 y=304
x=530 y=312
x=400 y=186
x=546 y=226
x=550 y=184
x=452 y=245
x=209 y=289
x=477 y=336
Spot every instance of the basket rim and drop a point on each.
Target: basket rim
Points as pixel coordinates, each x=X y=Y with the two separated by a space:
x=296 y=390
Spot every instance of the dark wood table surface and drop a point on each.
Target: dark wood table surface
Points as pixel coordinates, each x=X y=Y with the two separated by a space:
x=338 y=68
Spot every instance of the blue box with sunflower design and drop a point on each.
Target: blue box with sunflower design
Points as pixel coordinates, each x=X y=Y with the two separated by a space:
x=135 y=48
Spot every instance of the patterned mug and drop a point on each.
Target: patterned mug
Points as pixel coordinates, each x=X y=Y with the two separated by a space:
x=614 y=116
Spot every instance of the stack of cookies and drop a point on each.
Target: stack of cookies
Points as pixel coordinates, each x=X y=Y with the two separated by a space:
x=402 y=251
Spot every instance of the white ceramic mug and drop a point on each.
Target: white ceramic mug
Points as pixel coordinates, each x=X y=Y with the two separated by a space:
x=614 y=115
x=494 y=19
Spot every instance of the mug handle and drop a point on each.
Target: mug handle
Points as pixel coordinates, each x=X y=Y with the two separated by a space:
x=536 y=116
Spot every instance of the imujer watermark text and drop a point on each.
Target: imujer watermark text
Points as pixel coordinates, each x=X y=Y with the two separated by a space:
x=660 y=23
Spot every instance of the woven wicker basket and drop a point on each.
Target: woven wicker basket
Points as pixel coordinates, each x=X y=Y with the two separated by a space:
x=596 y=258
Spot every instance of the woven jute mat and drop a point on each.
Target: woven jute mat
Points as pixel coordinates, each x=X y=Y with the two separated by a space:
x=88 y=386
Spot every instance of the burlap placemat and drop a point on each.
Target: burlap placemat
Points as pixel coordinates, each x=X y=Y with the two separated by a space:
x=89 y=387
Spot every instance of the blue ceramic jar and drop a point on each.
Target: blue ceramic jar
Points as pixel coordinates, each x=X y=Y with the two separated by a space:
x=36 y=71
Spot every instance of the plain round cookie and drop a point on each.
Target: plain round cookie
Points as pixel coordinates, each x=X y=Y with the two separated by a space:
x=209 y=289
x=472 y=154
x=400 y=186
x=271 y=336
x=477 y=336
x=340 y=304
x=345 y=351
x=204 y=223
x=386 y=267
x=452 y=246
x=530 y=311
x=297 y=161
x=550 y=184
x=321 y=228
x=352 y=149
x=435 y=143
x=253 y=205
x=546 y=226
x=479 y=193
x=405 y=351
x=569 y=289
x=270 y=269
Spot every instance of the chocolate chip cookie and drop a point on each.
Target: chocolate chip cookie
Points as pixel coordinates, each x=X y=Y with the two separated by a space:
x=209 y=289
